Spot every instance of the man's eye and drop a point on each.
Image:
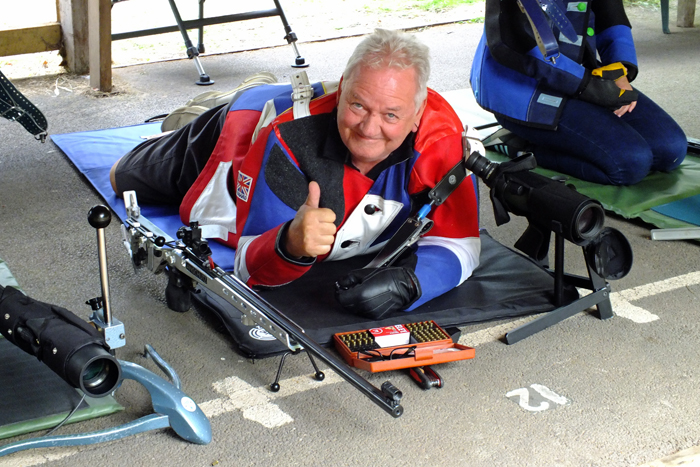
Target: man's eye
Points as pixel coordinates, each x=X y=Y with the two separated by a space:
x=357 y=105
x=391 y=116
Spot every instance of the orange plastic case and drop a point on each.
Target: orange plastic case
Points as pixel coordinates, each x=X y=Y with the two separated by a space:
x=429 y=345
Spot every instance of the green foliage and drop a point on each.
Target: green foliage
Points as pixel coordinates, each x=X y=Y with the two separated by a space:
x=426 y=5
x=650 y=4
x=440 y=5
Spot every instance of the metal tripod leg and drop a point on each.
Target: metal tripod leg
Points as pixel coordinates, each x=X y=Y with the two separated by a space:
x=291 y=38
x=664 y=17
x=683 y=233
x=192 y=52
x=200 y=42
x=599 y=297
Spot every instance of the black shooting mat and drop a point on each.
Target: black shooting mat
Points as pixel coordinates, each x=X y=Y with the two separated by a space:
x=32 y=397
x=506 y=284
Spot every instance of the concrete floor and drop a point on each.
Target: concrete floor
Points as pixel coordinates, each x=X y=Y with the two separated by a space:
x=630 y=385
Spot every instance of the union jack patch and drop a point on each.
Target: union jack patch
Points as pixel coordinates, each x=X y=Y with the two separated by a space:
x=243 y=185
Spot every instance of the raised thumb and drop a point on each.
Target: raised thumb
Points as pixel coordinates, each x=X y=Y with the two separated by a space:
x=314 y=195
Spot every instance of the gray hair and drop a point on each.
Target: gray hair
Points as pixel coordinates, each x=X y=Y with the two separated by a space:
x=391 y=49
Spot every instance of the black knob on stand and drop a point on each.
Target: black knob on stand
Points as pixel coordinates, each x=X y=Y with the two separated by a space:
x=99 y=216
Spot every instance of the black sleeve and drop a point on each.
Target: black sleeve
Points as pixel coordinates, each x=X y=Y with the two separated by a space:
x=508 y=41
x=609 y=13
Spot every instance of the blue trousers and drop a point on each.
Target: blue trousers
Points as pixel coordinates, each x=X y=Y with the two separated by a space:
x=592 y=143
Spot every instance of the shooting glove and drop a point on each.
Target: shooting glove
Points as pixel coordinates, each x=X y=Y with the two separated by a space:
x=374 y=292
x=602 y=90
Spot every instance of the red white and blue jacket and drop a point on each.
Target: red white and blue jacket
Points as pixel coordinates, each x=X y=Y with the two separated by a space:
x=253 y=189
x=510 y=77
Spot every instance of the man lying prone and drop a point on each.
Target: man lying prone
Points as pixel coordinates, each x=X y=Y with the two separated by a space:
x=335 y=184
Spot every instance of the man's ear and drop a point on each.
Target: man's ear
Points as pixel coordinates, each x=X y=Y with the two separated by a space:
x=337 y=93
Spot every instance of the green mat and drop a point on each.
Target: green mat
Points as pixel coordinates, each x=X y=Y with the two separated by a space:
x=637 y=201
x=32 y=397
x=6 y=276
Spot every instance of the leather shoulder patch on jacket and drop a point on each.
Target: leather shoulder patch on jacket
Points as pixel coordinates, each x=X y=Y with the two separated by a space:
x=285 y=180
x=305 y=138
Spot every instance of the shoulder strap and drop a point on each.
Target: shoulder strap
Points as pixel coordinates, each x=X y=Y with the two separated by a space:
x=15 y=107
x=302 y=93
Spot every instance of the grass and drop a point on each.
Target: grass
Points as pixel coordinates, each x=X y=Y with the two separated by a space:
x=424 y=5
x=649 y=4
x=441 y=5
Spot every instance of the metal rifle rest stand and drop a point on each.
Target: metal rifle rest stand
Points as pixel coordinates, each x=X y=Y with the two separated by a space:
x=599 y=296
x=682 y=233
x=172 y=407
x=193 y=52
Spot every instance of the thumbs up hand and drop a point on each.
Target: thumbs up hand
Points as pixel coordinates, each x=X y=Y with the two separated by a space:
x=312 y=231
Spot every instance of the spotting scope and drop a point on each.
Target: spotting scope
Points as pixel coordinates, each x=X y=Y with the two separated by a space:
x=69 y=346
x=548 y=204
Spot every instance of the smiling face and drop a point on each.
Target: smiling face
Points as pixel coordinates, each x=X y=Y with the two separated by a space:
x=376 y=113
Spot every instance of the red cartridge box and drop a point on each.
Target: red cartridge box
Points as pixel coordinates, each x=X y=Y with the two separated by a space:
x=390 y=336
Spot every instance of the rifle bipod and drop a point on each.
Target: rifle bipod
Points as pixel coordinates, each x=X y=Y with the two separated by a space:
x=318 y=374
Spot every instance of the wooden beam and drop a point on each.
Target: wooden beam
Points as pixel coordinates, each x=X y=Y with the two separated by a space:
x=100 y=27
x=30 y=40
x=73 y=16
x=686 y=13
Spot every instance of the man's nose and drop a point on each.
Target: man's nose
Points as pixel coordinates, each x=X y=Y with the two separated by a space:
x=371 y=125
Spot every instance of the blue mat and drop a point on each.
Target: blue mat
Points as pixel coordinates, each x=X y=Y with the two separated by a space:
x=95 y=152
x=686 y=210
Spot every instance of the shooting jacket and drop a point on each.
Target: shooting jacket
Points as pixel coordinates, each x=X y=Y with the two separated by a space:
x=258 y=176
x=511 y=78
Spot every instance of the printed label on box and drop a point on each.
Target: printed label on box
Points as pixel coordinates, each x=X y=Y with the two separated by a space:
x=390 y=336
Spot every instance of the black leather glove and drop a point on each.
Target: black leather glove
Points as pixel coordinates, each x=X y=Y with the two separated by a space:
x=374 y=292
x=606 y=93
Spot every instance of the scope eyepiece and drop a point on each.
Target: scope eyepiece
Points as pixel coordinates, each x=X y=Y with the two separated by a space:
x=481 y=167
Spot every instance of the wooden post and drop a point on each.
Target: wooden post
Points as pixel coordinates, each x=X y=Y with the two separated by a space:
x=686 y=13
x=100 y=27
x=73 y=16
